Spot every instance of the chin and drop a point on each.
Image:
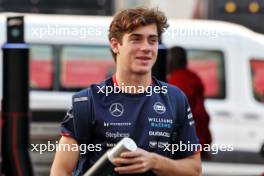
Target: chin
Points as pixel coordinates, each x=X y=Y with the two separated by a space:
x=142 y=71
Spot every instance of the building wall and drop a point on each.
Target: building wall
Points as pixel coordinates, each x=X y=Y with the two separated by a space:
x=172 y=8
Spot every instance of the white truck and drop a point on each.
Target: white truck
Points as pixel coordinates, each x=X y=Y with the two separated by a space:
x=70 y=52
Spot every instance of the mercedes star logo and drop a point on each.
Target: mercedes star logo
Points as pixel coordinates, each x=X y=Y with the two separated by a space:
x=116 y=109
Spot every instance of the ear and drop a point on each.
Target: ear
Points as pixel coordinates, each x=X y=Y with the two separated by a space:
x=114 y=45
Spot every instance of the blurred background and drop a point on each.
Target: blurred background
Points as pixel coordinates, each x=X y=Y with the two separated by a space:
x=69 y=51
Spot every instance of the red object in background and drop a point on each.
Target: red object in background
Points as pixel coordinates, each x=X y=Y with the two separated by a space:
x=80 y=73
x=208 y=73
x=192 y=86
x=41 y=73
x=257 y=67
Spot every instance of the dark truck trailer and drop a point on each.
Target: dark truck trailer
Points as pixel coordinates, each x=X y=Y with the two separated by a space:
x=249 y=13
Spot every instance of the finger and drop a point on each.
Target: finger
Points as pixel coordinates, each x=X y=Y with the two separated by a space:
x=130 y=154
x=118 y=161
x=135 y=168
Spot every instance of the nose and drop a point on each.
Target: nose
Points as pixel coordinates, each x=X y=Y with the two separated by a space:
x=146 y=46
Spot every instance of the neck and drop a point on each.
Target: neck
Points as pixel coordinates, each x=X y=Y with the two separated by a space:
x=137 y=80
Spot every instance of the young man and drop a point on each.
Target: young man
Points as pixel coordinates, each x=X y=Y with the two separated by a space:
x=148 y=117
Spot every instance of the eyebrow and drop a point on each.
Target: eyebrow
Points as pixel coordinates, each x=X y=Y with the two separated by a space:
x=140 y=35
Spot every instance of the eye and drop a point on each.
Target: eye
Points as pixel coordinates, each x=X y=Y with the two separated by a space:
x=135 y=38
x=153 y=40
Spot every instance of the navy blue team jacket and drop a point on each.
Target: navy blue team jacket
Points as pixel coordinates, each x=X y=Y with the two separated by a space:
x=151 y=121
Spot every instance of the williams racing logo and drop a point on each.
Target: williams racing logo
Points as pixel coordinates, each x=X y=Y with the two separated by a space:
x=160 y=122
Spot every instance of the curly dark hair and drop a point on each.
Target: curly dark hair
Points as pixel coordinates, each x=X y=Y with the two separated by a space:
x=128 y=20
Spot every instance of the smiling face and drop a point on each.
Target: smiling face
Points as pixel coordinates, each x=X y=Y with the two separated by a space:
x=138 y=51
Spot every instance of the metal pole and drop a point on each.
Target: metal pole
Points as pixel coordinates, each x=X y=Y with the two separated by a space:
x=15 y=103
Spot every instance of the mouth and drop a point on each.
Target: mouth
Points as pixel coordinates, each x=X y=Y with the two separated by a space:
x=143 y=58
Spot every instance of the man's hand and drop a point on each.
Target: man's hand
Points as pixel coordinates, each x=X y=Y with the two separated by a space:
x=139 y=161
